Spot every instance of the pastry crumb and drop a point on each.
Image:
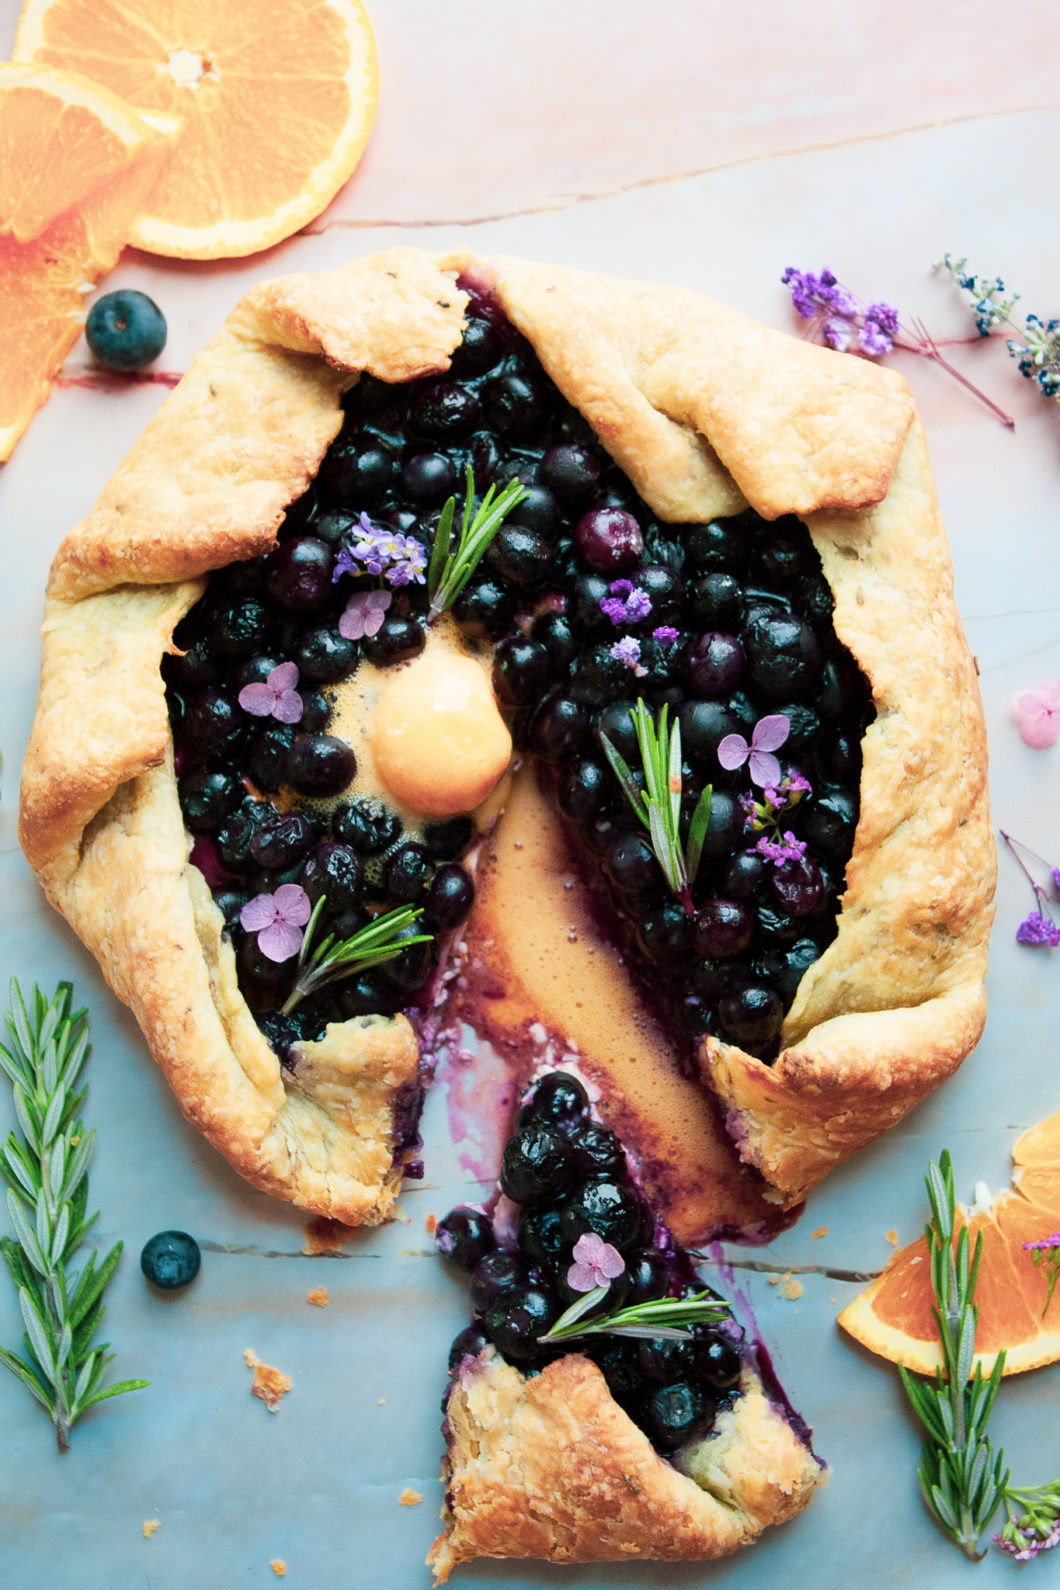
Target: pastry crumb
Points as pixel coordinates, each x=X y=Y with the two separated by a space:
x=822 y=1231
x=318 y=1296
x=250 y=1357
x=324 y=1235
x=790 y=1286
x=410 y=1498
x=150 y=1527
x=891 y=1237
x=269 y=1384
x=381 y=1401
x=432 y=1225
x=279 y=1567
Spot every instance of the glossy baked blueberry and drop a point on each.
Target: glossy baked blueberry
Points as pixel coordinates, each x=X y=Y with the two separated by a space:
x=494 y=1275
x=428 y=479
x=538 y=1165
x=485 y=606
x=664 y=934
x=207 y=797
x=598 y=1152
x=717 y=1361
x=673 y=1415
x=325 y=656
x=468 y=1344
x=170 y=1260
x=608 y=540
x=561 y=1103
x=522 y=670
x=661 y=1361
x=444 y=411
x=542 y=1237
x=298 y=576
x=714 y=665
x=723 y=928
x=336 y=871
x=449 y=898
x=464 y=1237
x=282 y=839
x=320 y=765
x=553 y=631
x=399 y=639
x=366 y=825
x=751 y=1015
x=584 y=786
x=516 y=1321
x=408 y=874
x=607 y=1207
x=559 y=729
x=572 y=472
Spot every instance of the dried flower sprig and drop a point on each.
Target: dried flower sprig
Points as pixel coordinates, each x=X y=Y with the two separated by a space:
x=658 y=805
x=397 y=559
x=45 y=1164
x=1038 y=926
x=450 y=571
x=850 y=325
x=1046 y=1256
x=1037 y=712
x=1036 y=345
x=963 y=1479
x=335 y=958
x=666 y=1319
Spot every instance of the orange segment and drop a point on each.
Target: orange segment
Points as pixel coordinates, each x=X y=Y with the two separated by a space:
x=276 y=102
x=61 y=138
x=893 y=1316
x=42 y=283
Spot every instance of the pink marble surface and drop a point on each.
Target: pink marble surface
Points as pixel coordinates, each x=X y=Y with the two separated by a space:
x=663 y=139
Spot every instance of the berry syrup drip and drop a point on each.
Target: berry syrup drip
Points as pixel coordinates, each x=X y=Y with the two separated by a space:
x=569 y=1177
x=590 y=604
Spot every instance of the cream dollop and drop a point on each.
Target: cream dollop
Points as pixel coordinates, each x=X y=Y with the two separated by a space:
x=438 y=740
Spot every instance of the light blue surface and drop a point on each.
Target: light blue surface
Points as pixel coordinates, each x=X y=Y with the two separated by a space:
x=318 y=1484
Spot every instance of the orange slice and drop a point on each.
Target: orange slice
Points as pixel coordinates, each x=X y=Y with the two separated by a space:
x=276 y=100
x=43 y=279
x=893 y=1316
x=61 y=138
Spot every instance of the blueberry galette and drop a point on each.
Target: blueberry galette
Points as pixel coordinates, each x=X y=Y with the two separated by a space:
x=402 y=519
x=574 y=1432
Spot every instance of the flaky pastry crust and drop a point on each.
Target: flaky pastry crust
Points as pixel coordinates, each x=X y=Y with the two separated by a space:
x=552 y=1467
x=706 y=412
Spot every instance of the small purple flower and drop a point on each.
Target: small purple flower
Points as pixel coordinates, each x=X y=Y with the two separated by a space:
x=841 y=316
x=364 y=614
x=795 y=786
x=278 y=920
x=1044 y=1242
x=276 y=697
x=627 y=651
x=627 y=603
x=402 y=560
x=768 y=735
x=596 y=1263
x=665 y=634
x=786 y=848
x=1038 y=929
x=1026 y=1542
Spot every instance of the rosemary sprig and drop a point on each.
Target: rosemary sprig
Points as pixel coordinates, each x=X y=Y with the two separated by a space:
x=666 y=1317
x=962 y=1478
x=334 y=958
x=450 y=571
x=46 y=1167
x=658 y=805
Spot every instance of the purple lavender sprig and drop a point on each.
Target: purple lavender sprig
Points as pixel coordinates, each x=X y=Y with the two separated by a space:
x=851 y=325
x=1039 y=926
x=399 y=559
x=1046 y=1255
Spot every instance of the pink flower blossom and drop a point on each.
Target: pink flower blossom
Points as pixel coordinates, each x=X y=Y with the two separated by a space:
x=767 y=736
x=278 y=920
x=364 y=614
x=276 y=697
x=1038 y=714
x=596 y=1263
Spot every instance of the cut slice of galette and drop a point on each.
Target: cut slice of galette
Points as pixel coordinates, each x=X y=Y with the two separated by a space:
x=602 y=1405
x=288 y=654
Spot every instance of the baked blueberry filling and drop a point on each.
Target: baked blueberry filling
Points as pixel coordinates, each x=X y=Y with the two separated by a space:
x=569 y=1178
x=587 y=604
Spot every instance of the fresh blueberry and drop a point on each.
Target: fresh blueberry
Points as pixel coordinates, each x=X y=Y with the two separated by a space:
x=537 y=1166
x=320 y=765
x=608 y=540
x=125 y=330
x=449 y=899
x=172 y=1258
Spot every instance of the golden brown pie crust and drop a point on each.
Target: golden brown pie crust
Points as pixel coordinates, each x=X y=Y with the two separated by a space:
x=706 y=411
x=552 y=1467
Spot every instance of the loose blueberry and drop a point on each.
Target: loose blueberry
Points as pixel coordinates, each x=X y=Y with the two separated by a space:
x=408 y=874
x=125 y=330
x=397 y=640
x=449 y=899
x=560 y=1102
x=468 y=1344
x=607 y=1207
x=282 y=840
x=171 y=1259
x=366 y=825
x=598 y=1152
x=516 y=1320
x=336 y=871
